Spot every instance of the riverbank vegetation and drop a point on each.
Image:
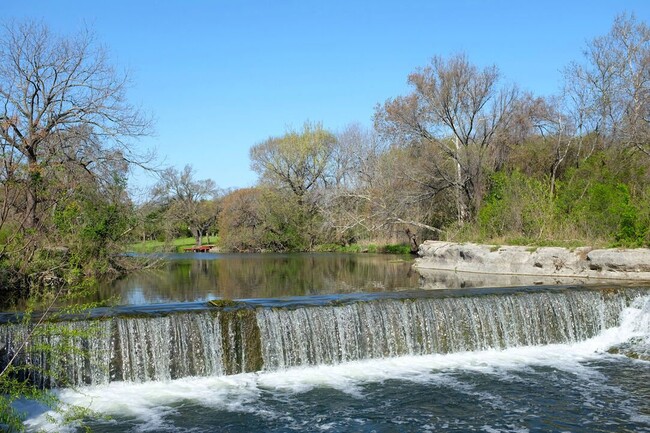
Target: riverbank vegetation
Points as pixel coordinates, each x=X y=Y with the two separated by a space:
x=156 y=246
x=66 y=144
x=466 y=156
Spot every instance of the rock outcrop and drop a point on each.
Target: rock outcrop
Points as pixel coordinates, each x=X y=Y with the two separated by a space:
x=583 y=263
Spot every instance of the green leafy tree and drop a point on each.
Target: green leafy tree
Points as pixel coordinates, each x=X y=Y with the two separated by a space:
x=299 y=161
x=518 y=206
x=299 y=166
x=599 y=201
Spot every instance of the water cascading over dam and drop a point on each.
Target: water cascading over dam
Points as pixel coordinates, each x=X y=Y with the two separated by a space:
x=252 y=337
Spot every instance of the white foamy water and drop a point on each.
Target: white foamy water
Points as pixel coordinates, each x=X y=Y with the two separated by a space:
x=150 y=404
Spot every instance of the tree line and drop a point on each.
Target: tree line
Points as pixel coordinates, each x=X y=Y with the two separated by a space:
x=464 y=155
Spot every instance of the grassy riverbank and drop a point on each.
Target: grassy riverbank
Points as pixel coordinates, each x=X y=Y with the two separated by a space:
x=175 y=245
x=179 y=244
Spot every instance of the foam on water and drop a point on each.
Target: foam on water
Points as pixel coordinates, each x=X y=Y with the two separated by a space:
x=150 y=404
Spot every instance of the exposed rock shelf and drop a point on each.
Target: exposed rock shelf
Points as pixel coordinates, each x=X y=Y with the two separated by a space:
x=583 y=263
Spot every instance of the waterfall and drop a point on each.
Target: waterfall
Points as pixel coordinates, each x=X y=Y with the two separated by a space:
x=163 y=348
x=61 y=352
x=136 y=349
x=252 y=338
x=327 y=335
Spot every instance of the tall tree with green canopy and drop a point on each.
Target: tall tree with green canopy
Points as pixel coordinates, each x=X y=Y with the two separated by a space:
x=299 y=161
x=299 y=165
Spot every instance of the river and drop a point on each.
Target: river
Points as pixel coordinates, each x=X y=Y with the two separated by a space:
x=355 y=343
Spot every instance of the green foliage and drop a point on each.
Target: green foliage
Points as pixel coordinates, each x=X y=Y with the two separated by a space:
x=93 y=224
x=371 y=248
x=603 y=201
x=92 y=230
x=12 y=389
x=598 y=202
x=43 y=343
x=642 y=205
x=64 y=199
x=289 y=226
x=396 y=249
x=516 y=204
x=175 y=245
x=337 y=248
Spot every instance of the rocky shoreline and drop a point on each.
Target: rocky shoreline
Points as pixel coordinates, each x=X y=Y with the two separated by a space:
x=541 y=263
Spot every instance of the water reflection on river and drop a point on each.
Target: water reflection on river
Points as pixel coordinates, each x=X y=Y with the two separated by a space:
x=194 y=277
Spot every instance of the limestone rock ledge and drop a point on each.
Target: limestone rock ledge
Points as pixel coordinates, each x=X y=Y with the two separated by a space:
x=585 y=262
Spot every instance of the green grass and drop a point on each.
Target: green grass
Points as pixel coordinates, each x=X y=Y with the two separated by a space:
x=335 y=248
x=396 y=249
x=175 y=245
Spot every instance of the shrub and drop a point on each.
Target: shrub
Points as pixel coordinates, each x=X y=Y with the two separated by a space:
x=599 y=204
x=396 y=249
x=516 y=205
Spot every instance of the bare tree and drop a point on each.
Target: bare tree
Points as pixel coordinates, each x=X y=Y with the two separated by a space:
x=611 y=90
x=60 y=99
x=371 y=195
x=354 y=156
x=188 y=200
x=463 y=112
x=380 y=192
x=545 y=122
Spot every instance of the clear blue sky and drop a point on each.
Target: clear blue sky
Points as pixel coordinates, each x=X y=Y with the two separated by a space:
x=221 y=76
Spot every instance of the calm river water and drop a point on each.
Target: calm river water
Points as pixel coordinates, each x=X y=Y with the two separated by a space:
x=577 y=384
x=190 y=277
